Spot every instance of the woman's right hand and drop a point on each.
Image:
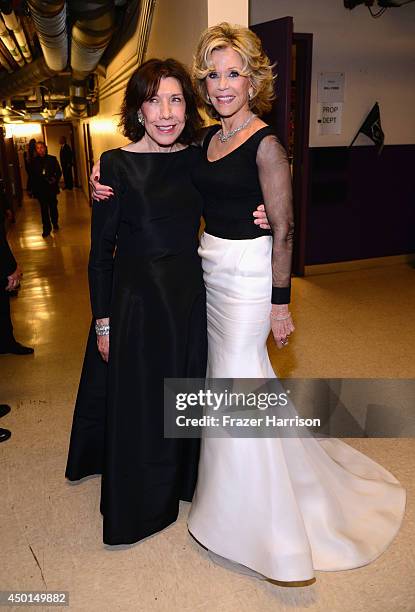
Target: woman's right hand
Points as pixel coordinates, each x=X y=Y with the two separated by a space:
x=99 y=192
x=103 y=343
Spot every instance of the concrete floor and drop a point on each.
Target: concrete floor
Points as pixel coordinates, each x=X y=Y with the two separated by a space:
x=348 y=324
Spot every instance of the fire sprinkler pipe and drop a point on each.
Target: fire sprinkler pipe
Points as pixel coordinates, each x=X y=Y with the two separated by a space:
x=13 y=23
x=10 y=44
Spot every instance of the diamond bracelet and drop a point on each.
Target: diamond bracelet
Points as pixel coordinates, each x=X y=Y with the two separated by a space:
x=280 y=318
x=101 y=329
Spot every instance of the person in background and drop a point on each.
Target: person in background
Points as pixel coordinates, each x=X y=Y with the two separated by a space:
x=66 y=157
x=28 y=157
x=10 y=275
x=46 y=173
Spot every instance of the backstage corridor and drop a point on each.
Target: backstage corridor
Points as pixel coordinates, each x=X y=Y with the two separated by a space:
x=51 y=531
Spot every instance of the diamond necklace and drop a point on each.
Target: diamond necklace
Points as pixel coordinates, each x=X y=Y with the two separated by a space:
x=225 y=137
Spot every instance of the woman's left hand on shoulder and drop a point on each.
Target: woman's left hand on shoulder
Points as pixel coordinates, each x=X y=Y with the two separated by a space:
x=99 y=192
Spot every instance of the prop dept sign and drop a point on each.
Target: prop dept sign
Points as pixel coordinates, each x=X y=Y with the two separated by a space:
x=330 y=118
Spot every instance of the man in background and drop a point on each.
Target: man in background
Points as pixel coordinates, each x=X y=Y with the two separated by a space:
x=46 y=173
x=66 y=158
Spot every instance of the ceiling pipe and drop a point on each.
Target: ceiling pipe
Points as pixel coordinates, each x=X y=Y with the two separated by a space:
x=28 y=77
x=91 y=34
x=12 y=48
x=5 y=63
x=37 y=102
x=78 y=104
x=49 y=17
x=13 y=23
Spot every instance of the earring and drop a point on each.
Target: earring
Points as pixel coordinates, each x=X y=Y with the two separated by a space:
x=249 y=95
x=140 y=117
x=208 y=97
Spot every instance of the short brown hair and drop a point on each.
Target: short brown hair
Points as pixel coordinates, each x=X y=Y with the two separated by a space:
x=144 y=84
x=256 y=65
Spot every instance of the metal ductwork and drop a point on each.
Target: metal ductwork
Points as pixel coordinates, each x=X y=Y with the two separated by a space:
x=49 y=17
x=13 y=23
x=78 y=103
x=93 y=27
x=91 y=34
x=35 y=101
x=28 y=77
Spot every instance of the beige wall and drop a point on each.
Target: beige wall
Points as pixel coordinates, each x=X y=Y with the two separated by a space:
x=233 y=11
x=377 y=56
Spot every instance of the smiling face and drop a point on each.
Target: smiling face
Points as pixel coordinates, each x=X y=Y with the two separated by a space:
x=165 y=113
x=227 y=89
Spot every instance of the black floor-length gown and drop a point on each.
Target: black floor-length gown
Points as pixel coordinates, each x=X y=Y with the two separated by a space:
x=152 y=289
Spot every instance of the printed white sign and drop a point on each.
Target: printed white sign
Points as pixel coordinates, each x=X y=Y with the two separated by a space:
x=330 y=118
x=330 y=87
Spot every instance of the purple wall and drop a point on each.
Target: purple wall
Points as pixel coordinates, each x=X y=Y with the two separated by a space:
x=360 y=205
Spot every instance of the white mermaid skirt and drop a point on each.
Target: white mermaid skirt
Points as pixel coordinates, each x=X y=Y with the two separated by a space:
x=283 y=507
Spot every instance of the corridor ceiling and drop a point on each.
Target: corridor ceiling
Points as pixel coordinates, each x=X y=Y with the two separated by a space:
x=51 y=52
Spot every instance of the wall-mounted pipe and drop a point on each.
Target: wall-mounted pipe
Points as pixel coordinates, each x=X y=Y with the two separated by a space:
x=49 y=17
x=91 y=34
x=26 y=78
x=10 y=43
x=13 y=23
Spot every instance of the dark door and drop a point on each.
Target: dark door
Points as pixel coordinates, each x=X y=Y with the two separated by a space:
x=291 y=54
x=277 y=37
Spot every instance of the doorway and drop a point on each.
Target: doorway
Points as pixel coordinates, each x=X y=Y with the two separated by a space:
x=52 y=133
x=290 y=115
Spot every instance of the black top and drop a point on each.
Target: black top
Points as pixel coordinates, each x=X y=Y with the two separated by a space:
x=153 y=216
x=233 y=186
x=231 y=189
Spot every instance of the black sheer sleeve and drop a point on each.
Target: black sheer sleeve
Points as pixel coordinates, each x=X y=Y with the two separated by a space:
x=275 y=179
x=104 y=228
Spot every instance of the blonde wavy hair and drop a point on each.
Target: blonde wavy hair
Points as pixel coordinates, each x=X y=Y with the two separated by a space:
x=256 y=65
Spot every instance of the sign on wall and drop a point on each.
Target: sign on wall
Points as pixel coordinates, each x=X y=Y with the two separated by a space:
x=330 y=118
x=330 y=98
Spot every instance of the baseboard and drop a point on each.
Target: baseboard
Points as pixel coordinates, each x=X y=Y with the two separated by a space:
x=359 y=264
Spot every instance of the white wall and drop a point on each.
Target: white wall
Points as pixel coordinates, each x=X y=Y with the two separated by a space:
x=377 y=56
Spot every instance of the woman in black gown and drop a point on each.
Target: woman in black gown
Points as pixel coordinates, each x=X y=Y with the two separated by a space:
x=152 y=295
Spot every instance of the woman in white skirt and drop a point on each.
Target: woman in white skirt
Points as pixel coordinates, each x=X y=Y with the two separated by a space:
x=283 y=507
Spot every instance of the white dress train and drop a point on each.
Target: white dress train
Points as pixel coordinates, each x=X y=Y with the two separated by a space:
x=283 y=507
